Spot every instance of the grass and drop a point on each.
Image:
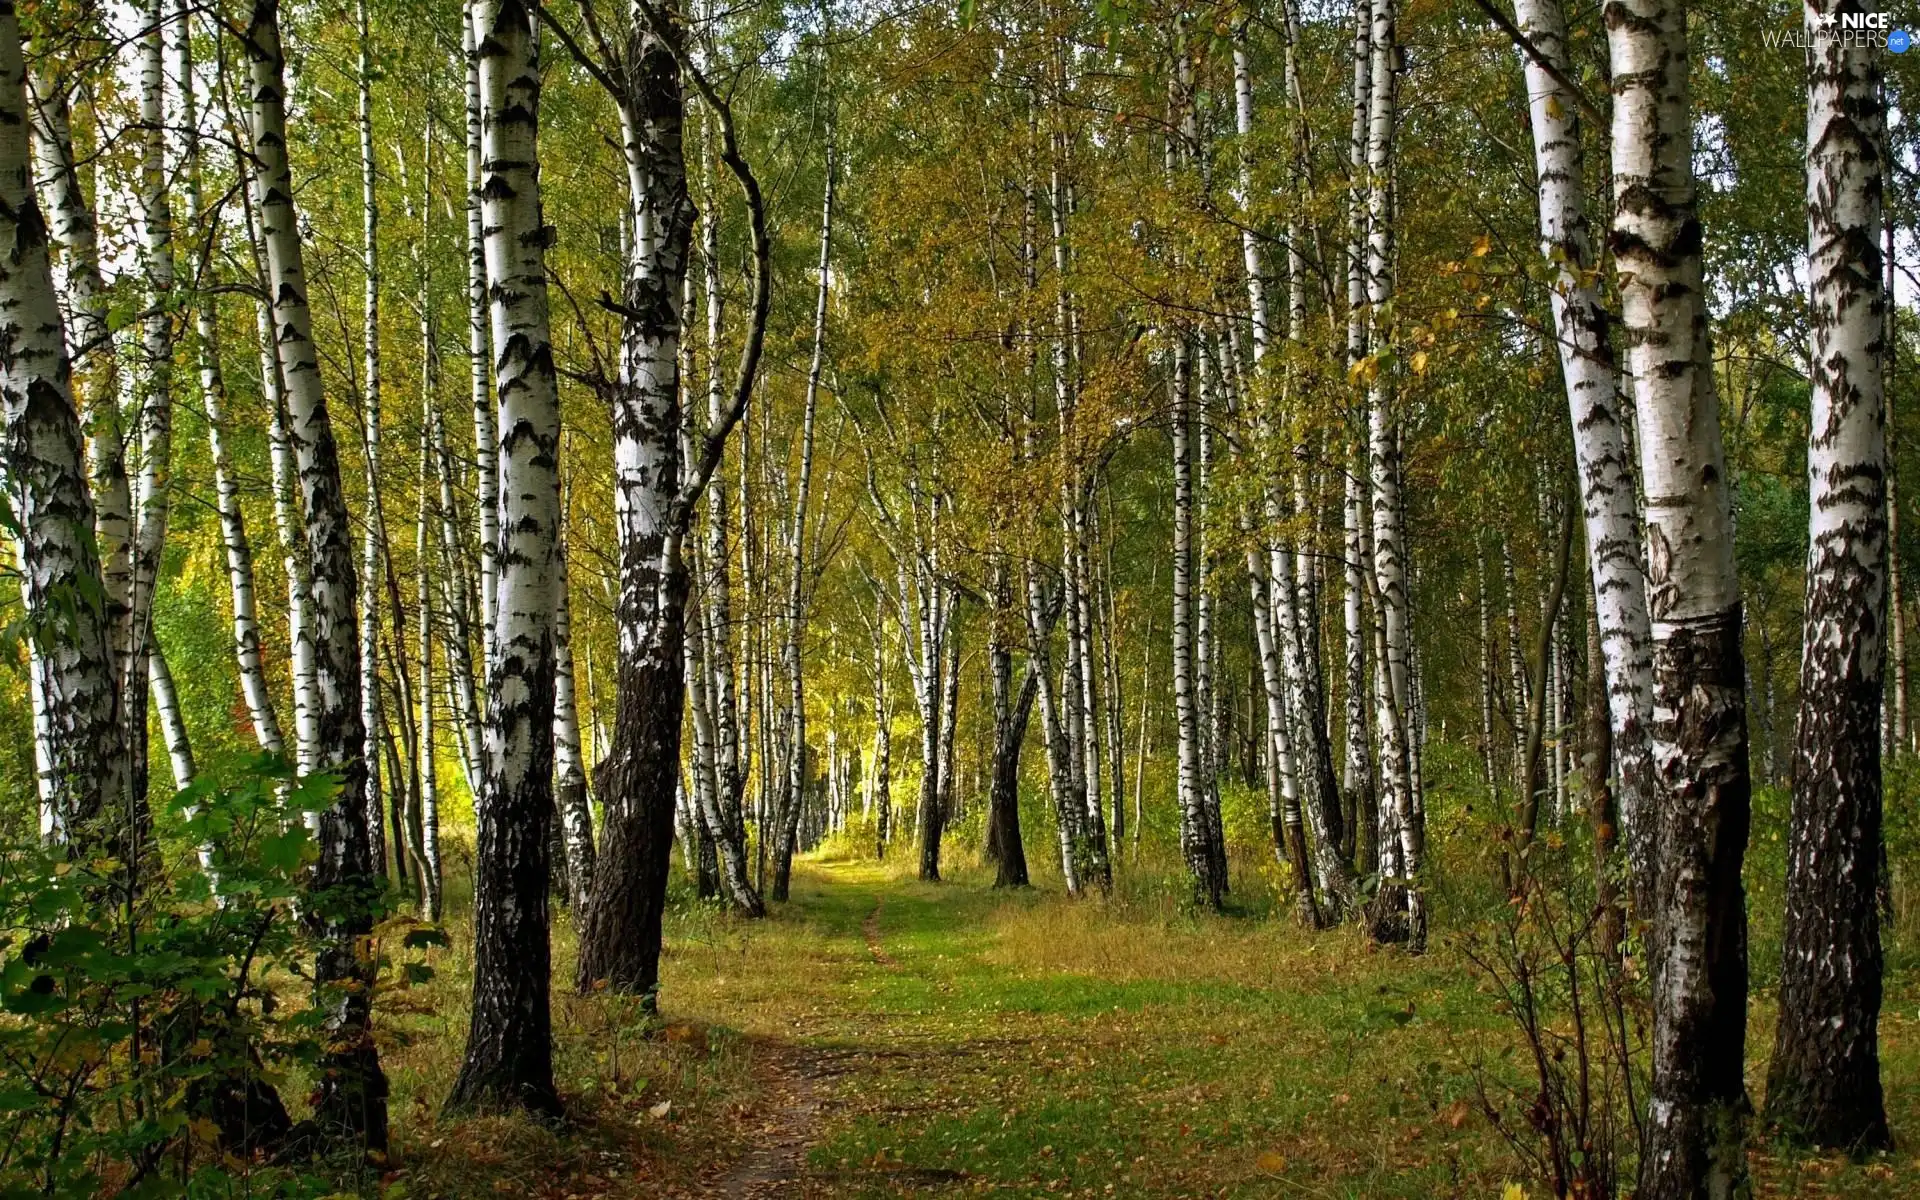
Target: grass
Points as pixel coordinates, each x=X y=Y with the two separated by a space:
x=958 y=1039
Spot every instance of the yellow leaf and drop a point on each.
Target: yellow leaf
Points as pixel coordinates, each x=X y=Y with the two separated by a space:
x=1272 y=1162
x=1555 y=109
x=1420 y=362
x=1513 y=1191
x=1483 y=246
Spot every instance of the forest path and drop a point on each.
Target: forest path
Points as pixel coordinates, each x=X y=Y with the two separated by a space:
x=882 y=1037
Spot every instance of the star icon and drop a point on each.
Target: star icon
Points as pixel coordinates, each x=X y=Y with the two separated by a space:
x=1828 y=20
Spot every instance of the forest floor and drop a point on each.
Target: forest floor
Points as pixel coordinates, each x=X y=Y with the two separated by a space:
x=883 y=1037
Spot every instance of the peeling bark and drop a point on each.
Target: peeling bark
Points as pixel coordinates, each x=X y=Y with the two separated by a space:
x=1824 y=1081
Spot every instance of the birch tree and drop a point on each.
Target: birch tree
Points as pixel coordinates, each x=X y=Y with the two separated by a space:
x=249 y=656
x=352 y=1101
x=655 y=492
x=1588 y=370
x=153 y=467
x=83 y=764
x=1383 y=459
x=374 y=536
x=509 y=1055
x=1824 y=1081
x=1694 y=1138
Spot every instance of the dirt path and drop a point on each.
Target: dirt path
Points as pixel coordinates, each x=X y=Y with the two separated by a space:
x=792 y=1092
x=871 y=928
x=794 y=1078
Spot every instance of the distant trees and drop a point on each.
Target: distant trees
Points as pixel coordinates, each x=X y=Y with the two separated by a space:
x=1103 y=354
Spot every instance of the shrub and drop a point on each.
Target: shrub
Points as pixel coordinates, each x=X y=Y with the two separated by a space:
x=142 y=1044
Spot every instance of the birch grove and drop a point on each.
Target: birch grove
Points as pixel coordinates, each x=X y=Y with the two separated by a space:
x=1367 y=498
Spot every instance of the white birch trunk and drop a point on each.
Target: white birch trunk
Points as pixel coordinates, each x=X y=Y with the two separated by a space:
x=1389 y=544
x=428 y=767
x=286 y=512
x=1357 y=502
x=374 y=536
x=95 y=377
x=569 y=768
x=352 y=1100
x=509 y=1052
x=79 y=747
x=480 y=378
x=173 y=728
x=1824 y=1081
x=797 y=598
x=238 y=549
x=1694 y=1140
x=1587 y=365
x=460 y=667
x=152 y=469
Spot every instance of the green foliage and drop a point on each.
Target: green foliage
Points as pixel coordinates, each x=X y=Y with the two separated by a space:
x=132 y=1030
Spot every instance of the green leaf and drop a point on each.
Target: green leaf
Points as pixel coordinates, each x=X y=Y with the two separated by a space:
x=284 y=851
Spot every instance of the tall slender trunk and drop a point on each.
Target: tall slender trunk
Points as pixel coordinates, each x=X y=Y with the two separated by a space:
x=459 y=611
x=932 y=627
x=486 y=438
x=620 y=938
x=569 y=770
x=427 y=842
x=1010 y=718
x=949 y=711
x=1356 y=500
x=1694 y=1142
x=352 y=1103
x=1824 y=1081
x=94 y=383
x=710 y=778
x=1195 y=785
x=1283 y=797
x=1607 y=484
x=1110 y=690
x=1195 y=832
x=1273 y=597
x=80 y=745
x=1483 y=607
x=728 y=824
x=792 y=662
x=288 y=523
x=1077 y=693
x=1899 y=729
x=153 y=466
x=374 y=538
x=1389 y=538
x=238 y=549
x=509 y=1053
x=1206 y=633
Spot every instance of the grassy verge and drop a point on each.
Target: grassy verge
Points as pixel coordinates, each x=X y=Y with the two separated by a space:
x=960 y=1039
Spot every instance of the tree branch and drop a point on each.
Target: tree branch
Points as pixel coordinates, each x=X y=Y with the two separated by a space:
x=714 y=443
x=1539 y=57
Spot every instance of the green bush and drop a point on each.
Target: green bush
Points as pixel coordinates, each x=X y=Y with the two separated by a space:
x=142 y=1043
